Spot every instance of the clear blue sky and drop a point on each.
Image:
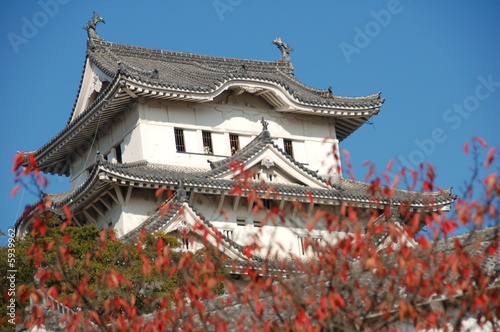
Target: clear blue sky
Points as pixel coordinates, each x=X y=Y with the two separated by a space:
x=429 y=58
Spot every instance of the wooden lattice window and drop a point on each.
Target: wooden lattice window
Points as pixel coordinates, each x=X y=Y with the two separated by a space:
x=288 y=147
x=207 y=142
x=179 y=140
x=234 y=142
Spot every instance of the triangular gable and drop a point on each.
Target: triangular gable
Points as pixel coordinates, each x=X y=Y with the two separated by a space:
x=94 y=82
x=269 y=163
x=186 y=219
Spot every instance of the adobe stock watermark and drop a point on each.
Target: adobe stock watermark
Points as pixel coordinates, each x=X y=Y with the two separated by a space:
x=31 y=25
x=453 y=117
x=11 y=276
x=363 y=37
x=223 y=6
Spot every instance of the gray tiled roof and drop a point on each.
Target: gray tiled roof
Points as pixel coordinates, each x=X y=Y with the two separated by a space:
x=195 y=178
x=148 y=73
x=257 y=145
x=475 y=243
x=203 y=73
x=340 y=190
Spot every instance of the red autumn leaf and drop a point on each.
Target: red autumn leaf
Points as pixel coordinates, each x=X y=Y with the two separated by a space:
x=236 y=190
x=480 y=301
x=159 y=191
x=102 y=238
x=371 y=170
x=146 y=266
x=492 y=249
x=15 y=190
x=259 y=308
x=311 y=197
x=160 y=243
x=224 y=213
x=339 y=301
x=67 y=212
x=466 y=147
x=18 y=161
x=248 y=251
x=481 y=141
x=96 y=317
x=490 y=157
x=389 y=166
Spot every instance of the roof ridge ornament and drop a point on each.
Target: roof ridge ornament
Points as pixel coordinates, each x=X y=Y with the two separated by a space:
x=91 y=29
x=284 y=48
x=265 y=131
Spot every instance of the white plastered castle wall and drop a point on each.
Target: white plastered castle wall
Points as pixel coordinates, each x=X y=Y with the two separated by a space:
x=273 y=236
x=225 y=116
x=123 y=132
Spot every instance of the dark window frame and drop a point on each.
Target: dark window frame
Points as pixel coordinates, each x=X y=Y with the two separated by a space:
x=234 y=143
x=180 y=145
x=207 y=142
x=288 y=145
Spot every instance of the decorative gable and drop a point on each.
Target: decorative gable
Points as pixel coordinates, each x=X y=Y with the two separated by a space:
x=269 y=163
x=93 y=83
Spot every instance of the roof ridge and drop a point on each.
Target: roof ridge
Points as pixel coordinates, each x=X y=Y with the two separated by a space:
x=188 y=55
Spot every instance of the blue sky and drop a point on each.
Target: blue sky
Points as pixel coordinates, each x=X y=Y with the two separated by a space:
x=436 y=63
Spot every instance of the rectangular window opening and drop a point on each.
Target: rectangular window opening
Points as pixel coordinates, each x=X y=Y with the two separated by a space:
x=179 y=140
x=228 y=233
x=288 y=147
x=302 y=247
x=207 y=142
x=234 y=142
x=118 y=152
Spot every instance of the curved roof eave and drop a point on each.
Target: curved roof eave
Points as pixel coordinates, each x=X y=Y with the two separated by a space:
x=52 y=156
x=274 y=93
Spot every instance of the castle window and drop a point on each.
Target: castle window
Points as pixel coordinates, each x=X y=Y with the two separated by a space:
x=313 y=242
x=179 y=140
x=234 y=143
x=207 y=142
x=118 y=153
x=302 y=247
x=228 y=233
x=288 y=147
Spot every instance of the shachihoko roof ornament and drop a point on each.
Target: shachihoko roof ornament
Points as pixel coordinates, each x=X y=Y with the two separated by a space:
x=284 y=48
x=91 y=29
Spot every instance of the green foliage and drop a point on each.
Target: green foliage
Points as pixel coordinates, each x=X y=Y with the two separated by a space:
x=72 y=254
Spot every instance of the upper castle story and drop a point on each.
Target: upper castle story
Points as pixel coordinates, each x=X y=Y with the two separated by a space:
x=189 y=110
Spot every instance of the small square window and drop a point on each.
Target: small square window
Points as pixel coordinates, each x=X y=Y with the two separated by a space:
x=179 y=140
